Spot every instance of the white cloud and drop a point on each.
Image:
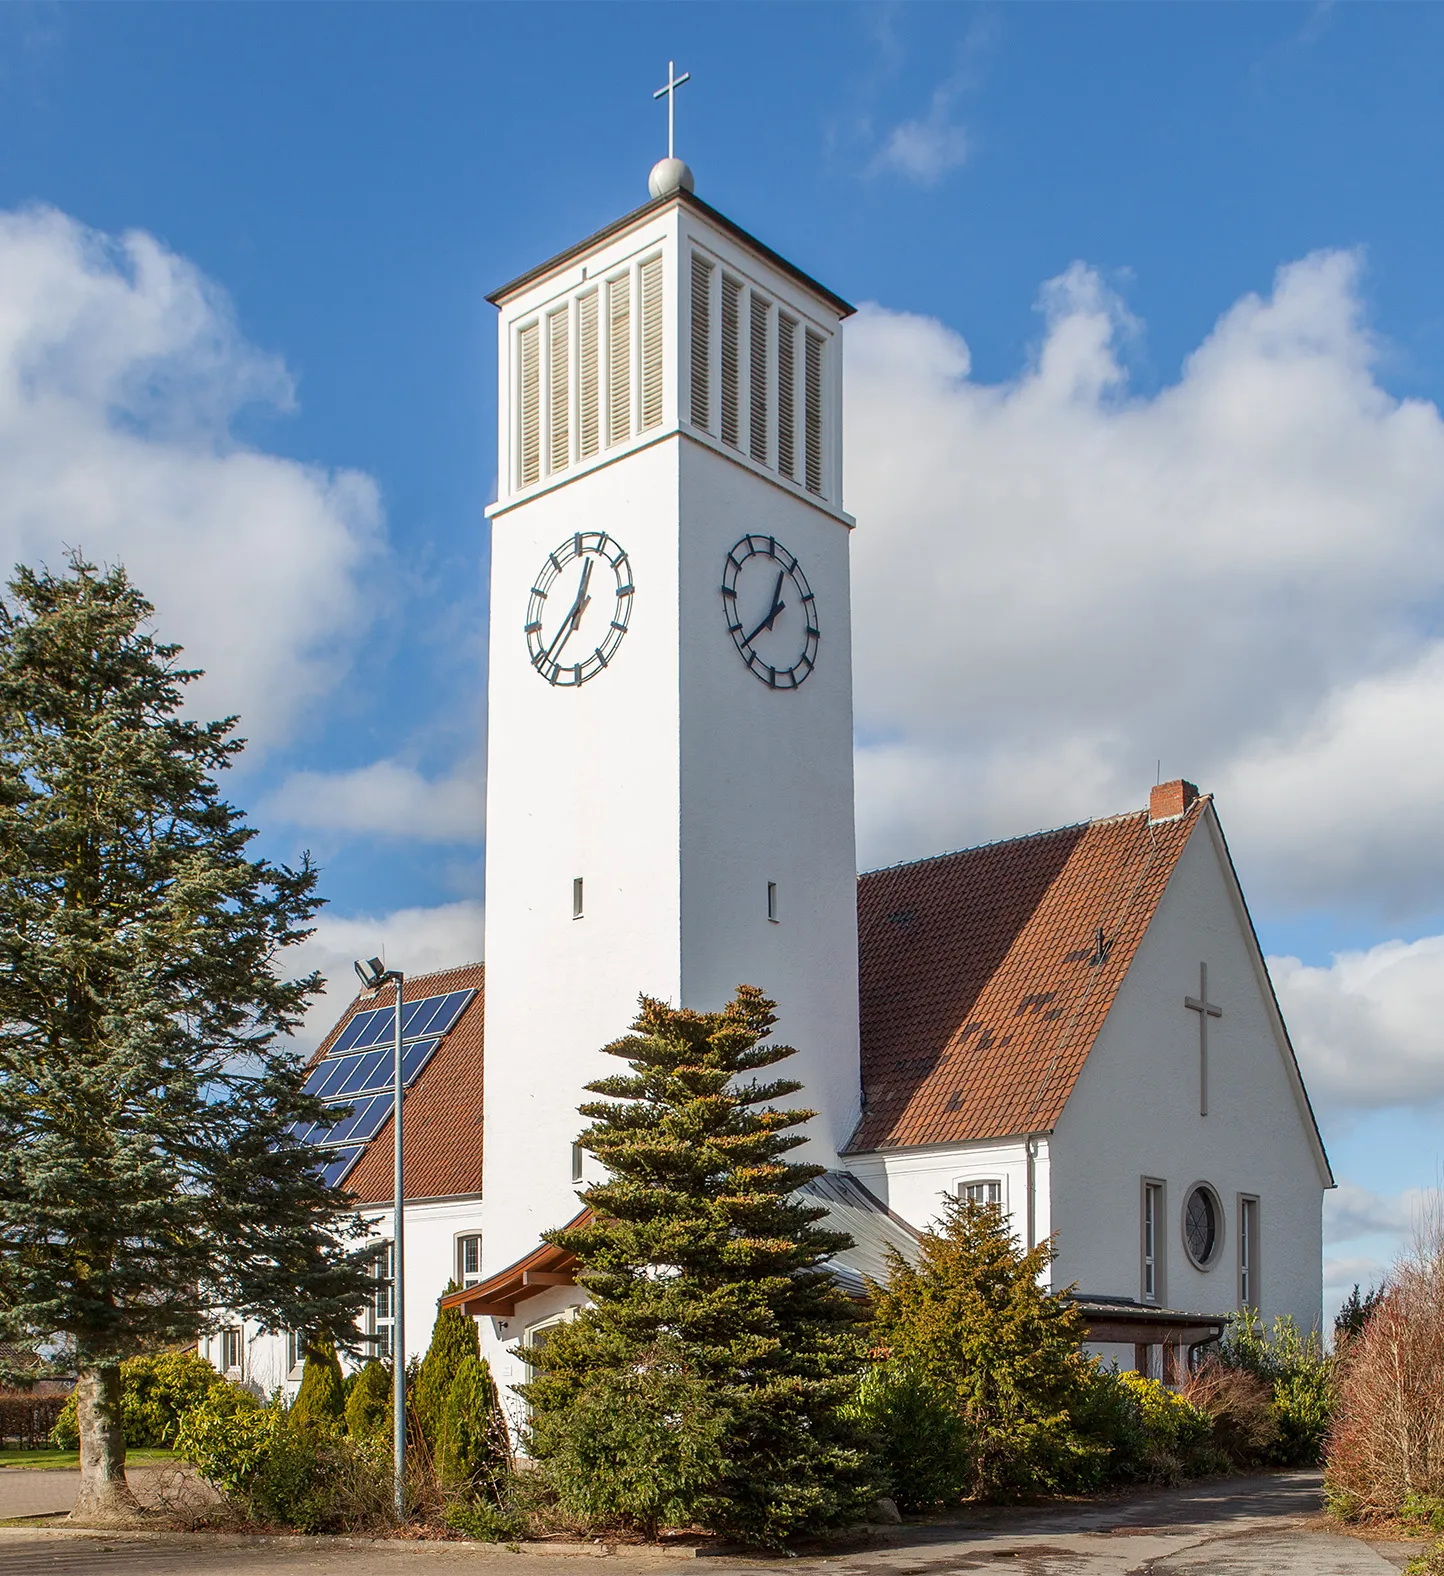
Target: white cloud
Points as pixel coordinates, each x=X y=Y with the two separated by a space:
x=121 y=371
x=385 y=798
x=416 y=940
x=927 y=149
x=1059 y=582
x=1367 y=1027
x=1352 y=1212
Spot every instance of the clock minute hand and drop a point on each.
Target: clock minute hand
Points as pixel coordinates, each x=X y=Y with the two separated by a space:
x=573 y=619
x=778 y=606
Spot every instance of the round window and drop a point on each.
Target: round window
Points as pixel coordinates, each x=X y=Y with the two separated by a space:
x=1201 y=1223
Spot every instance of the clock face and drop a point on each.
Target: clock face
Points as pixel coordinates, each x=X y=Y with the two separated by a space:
x=771 y=611
x=579 y=608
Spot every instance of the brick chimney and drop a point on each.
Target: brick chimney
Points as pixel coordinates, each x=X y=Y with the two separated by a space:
x=1169 y=800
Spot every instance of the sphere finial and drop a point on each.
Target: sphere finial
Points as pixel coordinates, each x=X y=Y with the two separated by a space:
x=670 y=175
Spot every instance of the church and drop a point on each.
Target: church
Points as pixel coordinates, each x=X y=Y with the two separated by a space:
x=1075 y=1025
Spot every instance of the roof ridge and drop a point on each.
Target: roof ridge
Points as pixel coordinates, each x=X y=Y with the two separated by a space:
x=1002 y=842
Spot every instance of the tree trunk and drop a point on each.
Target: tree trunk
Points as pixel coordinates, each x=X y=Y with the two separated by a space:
x=104 y=1493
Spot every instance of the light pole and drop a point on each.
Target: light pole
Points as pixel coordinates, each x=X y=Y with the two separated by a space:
x=373 y=974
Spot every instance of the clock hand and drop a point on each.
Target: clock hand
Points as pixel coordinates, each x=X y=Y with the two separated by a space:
x=778 y=606
x=573 y=619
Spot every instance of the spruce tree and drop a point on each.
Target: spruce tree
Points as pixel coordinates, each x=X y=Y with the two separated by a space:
x=147 y=1084
x=706 y=1381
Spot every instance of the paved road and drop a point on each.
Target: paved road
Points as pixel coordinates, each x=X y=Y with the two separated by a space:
x=1267 y=1526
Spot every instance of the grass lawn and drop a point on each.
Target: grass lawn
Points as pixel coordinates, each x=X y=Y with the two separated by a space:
x=71 y=1458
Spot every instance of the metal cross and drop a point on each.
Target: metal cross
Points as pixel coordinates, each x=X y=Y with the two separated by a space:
x=1205 y=1010
x=669 y=92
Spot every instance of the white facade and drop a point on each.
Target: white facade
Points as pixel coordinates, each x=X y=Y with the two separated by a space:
x=671 y=824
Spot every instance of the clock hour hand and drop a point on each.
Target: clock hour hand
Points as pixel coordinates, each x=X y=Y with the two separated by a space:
x=573 y=620
x=778 y=606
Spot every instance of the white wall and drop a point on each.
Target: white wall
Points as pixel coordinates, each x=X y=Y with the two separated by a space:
x=1135 y=1112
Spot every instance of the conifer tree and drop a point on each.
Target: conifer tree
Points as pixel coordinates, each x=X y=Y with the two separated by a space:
x=320 y=1404
x=147 y=1085
x=706 y=1381
x=368 y=1407
x=453 y=1340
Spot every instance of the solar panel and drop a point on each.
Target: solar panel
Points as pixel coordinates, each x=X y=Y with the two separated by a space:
x=355 y=1076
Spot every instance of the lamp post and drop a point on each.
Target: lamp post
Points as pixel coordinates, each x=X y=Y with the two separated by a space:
x=373 y=974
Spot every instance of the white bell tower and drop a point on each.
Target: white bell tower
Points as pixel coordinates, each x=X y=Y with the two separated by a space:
x=669 y=790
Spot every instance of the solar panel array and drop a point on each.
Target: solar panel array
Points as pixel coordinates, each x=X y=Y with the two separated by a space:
x=356 y=1076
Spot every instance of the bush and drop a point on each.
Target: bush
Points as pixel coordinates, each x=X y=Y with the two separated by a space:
x=369 y=1403
x=278 y=1475
x=1240 y=1407
x=1386 y=1449
x=473 y=1451
x=973 y=1320
x=30 y=1420
x=156 y=1391
x=1300 y=1378
x=917 y=1433
x=453 y=1340
x=320 y=1404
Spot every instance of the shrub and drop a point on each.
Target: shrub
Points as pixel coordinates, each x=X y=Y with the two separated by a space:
x=320 y=1405
x=453 y=1340
x=278 y=1475
x=156 y=1391
x=1239 y=1404
x=1300 y=1377
x=30 y=1420
x=369 y=1403
x=973 y=1320
x=1386 y=1449
x=917 y=1433
x=473 y=1450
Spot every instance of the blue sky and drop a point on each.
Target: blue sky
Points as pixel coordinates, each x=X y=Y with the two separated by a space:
x=1068 y=224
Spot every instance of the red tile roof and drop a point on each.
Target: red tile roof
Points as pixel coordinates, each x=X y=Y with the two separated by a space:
x=441 y=1111
x=980 y=988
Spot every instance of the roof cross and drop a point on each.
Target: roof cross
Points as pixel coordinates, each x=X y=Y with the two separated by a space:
x=1205 y=1010
x=669 y=92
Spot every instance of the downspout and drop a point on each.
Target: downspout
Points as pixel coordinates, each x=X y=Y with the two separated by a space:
x=1030 y=1149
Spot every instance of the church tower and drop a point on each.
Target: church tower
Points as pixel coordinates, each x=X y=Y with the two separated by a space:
x=670 y=788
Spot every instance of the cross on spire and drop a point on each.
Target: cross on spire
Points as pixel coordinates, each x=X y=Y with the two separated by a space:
x=1205 y=1010
x=669 y=92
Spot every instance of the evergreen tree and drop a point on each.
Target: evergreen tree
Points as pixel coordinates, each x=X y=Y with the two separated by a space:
x=147 y=1085
x=706 y=1381
x=453 y=1340
x=473 y=1450
x=320 y=1404
x=368 y=1406
x=974 y=1322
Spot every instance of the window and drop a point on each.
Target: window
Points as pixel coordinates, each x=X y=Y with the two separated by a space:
x=382 y=1317
x=468 y=1261
x=772 y=901
x=576 y=897
x=232 y=1347
x=649 y=277
x=701 y=342
x=812 y=414
x=559 y=390
x=1152 y=1245
x=1202 y=1226
x=987 y=1191
x=1248 y=1252
x=619 y=359
x=758 y=361
x=731 y=361
x=589 y=377
x=787 y=397
x=528 y=394
x=295 y=1353
x=576 y=1162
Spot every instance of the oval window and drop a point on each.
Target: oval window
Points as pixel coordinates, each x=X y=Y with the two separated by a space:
x=1201 y=1226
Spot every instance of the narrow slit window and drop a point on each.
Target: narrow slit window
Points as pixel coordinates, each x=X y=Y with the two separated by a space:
x=619 y=359
x=701 y=343
x=576 y=897
x=758 y=361
x=576 y=1162
x=1152 y=1225
x=812 y=435
x=650 y=278
x=528 y=361
x=1248 y=1253
x=787 y=396
x=589 y=377
x=731 y=366
x=559 y=390
x=772 y=901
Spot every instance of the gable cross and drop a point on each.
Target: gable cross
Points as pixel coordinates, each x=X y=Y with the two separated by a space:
x=1205 y=1010
x=669 y=92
